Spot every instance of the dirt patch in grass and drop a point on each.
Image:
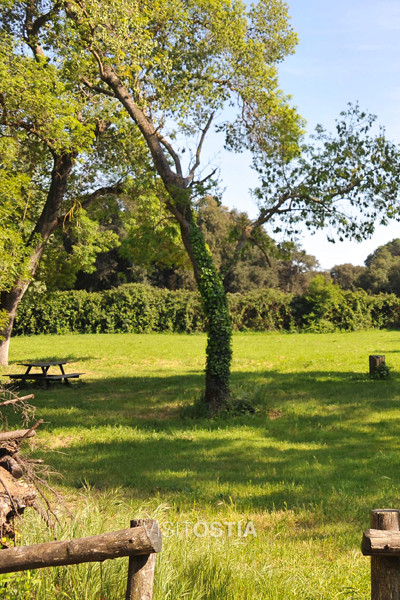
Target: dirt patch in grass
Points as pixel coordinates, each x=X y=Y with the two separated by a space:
x=275 y=414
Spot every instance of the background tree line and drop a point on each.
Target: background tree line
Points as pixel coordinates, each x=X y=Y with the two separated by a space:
x=381 y=272
x=141 y=308
x=144 y=247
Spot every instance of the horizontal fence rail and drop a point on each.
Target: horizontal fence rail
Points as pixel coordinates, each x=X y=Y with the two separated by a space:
x=383 y=543
x=140 y=542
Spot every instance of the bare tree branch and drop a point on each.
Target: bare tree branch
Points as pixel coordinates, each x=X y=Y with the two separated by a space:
x=170 y=151
x=209 y=176
x=17 y=399
x=88 y=199
x=98 y=60
x=200 y=145
x=97 y=88
x=29 y=431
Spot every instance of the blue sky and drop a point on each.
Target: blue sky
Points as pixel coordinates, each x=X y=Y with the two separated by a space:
x=349 y=50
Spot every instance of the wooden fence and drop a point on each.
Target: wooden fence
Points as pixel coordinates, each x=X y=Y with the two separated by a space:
x=141 y=543
x=382 y=544
x=143 y=540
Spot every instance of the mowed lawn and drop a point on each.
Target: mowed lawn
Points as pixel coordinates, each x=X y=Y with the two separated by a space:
x=321 y=451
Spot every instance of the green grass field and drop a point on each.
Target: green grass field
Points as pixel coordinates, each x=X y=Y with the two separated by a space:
x=321 y=450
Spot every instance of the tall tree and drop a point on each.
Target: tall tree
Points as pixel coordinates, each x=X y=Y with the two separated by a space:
x=39 y=128
x=174 y=65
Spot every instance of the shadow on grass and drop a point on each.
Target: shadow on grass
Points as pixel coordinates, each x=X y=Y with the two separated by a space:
x=319 y=439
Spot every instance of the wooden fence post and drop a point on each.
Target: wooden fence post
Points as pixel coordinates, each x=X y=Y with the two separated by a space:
x=385 y=570
x=141 y=568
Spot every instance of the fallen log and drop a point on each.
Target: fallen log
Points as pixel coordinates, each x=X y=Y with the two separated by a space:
x=21 y=486
x=15 y=496
x=17 y=434
x=135 y=541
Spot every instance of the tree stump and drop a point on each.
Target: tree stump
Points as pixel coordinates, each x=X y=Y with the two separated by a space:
x=375 y=360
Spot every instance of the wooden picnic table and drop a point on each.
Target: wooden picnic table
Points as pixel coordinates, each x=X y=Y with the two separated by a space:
x=44 y=375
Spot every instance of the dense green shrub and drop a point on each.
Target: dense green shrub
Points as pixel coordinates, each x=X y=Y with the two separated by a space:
x=139 y=308
x=326 y=307
x=261 y=310
x=132 y=308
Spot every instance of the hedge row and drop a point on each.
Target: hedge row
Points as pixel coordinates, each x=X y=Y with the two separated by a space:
x=141 y=308
x=128 y=308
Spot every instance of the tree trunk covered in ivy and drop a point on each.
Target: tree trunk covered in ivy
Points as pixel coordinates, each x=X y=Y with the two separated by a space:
x=215 y=305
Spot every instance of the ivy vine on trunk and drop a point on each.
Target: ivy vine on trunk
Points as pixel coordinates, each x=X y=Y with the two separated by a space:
x=219 y=327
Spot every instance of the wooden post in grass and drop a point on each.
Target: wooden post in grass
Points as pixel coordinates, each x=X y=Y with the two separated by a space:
x=375 y=360
x=385 y=555
x=141 y=568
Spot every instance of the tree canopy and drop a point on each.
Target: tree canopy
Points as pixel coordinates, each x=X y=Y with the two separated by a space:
x=347 y=276
x=382 y=272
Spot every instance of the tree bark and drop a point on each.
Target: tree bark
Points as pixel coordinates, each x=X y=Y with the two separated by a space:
x=46 y=224
x=9 y=302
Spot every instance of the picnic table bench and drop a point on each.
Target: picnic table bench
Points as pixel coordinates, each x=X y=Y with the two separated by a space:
x=44 y=374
